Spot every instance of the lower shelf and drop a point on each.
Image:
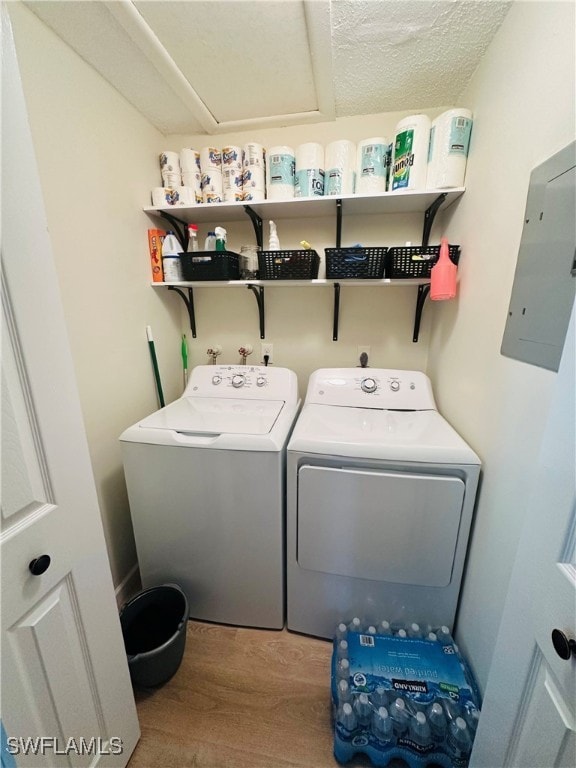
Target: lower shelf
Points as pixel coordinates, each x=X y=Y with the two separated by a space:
x=257 y=288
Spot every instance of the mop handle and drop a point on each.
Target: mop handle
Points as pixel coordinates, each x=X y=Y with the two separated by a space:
x=155 y=366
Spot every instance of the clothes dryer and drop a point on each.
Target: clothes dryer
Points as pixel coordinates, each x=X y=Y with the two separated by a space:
x=380 y=496
x=206 y=486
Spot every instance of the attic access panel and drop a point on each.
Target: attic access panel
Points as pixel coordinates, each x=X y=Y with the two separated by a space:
x=545 y=280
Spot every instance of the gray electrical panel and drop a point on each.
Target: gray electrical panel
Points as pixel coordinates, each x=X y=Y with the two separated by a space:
x=545 y=280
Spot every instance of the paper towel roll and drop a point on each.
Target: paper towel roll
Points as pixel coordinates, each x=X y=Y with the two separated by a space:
x=162 y=196
x=212 y=186
x=210 y=159
x=189 y=160
x=448 y=152
x=371 y=166
x=410 y=153
x=280 y=170
x=232 y=184
x=309 y=179
x=340 y=171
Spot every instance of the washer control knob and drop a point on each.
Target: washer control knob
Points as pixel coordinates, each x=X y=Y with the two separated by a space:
x=216 y=379
x=394 y=385
x=238 y=380
x=368 y=385
x=260 y=381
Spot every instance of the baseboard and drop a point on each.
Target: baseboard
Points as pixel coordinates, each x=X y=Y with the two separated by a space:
x=128 y=587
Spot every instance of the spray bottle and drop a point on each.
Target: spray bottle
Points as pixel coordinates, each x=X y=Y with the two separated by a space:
x=443 y=276
x=273 y=242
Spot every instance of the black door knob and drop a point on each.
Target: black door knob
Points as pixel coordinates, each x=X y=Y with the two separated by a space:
x=563 y=646
x=39 y=565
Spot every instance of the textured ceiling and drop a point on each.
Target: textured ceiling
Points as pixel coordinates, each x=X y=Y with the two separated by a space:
x=209 y=66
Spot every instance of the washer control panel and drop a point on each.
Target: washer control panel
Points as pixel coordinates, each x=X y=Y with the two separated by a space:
x=253 y=382
x=371 y=388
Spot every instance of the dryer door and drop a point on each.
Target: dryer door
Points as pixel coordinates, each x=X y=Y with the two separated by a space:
x=388 y=526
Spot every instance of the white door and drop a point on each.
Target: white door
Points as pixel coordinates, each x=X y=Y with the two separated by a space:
x=66 y=697
x=528 y=714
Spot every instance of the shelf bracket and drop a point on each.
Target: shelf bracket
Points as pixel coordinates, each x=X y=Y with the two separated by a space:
x=338 y=223
x=429 y=217
x=336 y=311
x=423 y=291
x=258 y=291
x=257 y=224
x=180 y=226
x=189 y=301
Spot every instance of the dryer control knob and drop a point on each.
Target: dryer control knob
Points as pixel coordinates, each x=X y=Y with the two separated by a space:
x=216 y=379
x=238 y=380
x=394 y=385
x=260 y=381
x=368 y=385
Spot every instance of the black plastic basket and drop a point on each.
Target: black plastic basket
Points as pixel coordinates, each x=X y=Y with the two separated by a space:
x=359 y=263
x=210 y=265
x=288 y=265
x=410 y=261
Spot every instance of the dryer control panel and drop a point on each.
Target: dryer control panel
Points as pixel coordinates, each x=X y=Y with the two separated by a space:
x=384 y=388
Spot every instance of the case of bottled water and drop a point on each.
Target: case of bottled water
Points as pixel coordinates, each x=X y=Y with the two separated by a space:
x=402 y=691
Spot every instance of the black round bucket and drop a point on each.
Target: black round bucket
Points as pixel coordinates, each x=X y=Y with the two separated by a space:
x=154 y=629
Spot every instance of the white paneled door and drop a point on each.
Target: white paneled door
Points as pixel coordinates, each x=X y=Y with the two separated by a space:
x=528 y=718
x=66 y=697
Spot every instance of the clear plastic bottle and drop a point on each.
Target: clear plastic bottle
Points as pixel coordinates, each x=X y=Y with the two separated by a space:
x=343 y=669
x=382 y=724
x=355 y=625
x=249 y=262
x=379 y=697
x=341 y=629
x=362 y=709
x=342 y=649
x=192 y=238
x=210 y=242
x=400 y=717
x=459 y=740
x=171 y=264
x=344 y=692
x=414 y=630
x=384 y=628
x=437 y=722
x=420 y=732
x=347 y=718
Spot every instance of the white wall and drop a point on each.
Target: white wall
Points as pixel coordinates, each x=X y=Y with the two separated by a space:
x=95 y=155
x=522 y=96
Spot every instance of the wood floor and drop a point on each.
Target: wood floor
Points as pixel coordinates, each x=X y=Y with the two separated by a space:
x=242 y=698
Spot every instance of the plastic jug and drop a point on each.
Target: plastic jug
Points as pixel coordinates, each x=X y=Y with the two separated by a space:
x=443 y=276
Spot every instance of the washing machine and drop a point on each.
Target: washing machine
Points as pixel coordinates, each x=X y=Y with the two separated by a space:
x=206 y=486
x=380 y=497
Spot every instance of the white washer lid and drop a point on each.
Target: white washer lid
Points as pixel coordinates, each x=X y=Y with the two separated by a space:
x=423 y=436
x=214 y=416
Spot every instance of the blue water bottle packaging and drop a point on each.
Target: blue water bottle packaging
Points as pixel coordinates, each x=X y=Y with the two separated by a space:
x=401 y=692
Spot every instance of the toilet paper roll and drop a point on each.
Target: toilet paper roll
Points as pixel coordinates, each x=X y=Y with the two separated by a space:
x=189 y=160
x=253 y=183
x=340 y=171
x=372 y=165
x=254 y=155
x=162 y=196
x=280 y=171
x=231 y=157
x=169 y=161
x=210 y=159
x=171 y=179
x=232 y=184
x=309 y=179
x=448 y=150
x=212 y=191
x=410 y=153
